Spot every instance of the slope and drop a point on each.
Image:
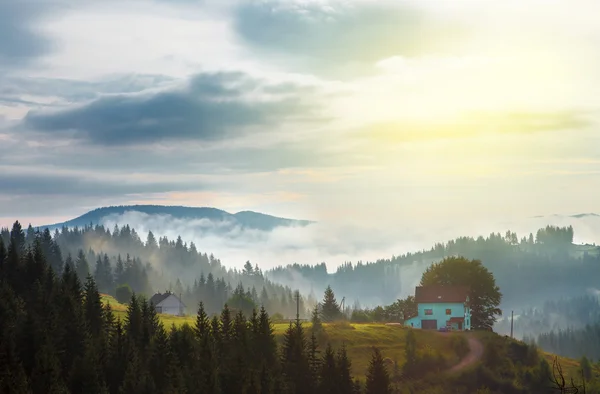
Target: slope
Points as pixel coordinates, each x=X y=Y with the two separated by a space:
x=245 y=219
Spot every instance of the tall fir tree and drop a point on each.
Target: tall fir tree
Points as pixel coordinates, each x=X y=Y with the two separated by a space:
x=378 y=379
x=330 y=310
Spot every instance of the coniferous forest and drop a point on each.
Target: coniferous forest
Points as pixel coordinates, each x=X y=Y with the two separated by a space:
x=121 y=258
x=56 y=336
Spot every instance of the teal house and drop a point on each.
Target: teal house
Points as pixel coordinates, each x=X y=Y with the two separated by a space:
x=441 y=307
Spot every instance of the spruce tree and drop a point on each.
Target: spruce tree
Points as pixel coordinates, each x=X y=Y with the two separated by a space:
x=46 y=374
x=202 y=327
x=2 y=259
x=378 y=379
x=344 y=365
x=93 y=310
x=317 y=325
x=295 y=366
x=330 y=309
x=161 y=361
x=266 y=344
x=314 y=360
x=117 y=357
x=81 y=266
x=328 y=376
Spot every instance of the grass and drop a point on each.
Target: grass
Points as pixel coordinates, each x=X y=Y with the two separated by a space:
x=359 y=340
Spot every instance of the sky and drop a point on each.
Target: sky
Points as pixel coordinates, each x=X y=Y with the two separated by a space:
x=372 y=114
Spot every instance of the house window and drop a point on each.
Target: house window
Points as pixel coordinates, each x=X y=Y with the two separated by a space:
x=448 y=311
x=429 y=311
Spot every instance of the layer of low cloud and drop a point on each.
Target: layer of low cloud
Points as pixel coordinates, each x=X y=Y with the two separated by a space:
x=336 y=242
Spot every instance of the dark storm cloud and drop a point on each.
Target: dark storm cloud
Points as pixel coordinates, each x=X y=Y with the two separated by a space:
x=212 y=107
x=340 y=38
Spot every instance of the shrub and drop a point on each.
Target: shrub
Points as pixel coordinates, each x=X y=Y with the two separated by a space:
x=123 y=293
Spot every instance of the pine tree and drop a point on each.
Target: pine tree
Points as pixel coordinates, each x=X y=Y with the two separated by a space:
x=81 y=266
x=314 y=360
x=133 y=322
x=295 y=366
x=93 y=310
x=161 y=361
x=328 y=376
x=3 y=256
x=317 y=326
x=378 y=379
x=202 y=327
x=344 y=365
x=330 y=309
x=266 y=345
x=86 y=377
x=117 y=358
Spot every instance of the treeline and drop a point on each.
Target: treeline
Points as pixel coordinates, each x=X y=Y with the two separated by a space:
x=562 y=314
x=529 y=269
x=573 y=343
x=120 y=257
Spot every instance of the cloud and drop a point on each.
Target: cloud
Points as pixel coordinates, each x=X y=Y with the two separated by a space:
x=20 y=42
x=476 y=124
x=334 y=37
x=43 y=92
x=211 y=107
x=45 y=183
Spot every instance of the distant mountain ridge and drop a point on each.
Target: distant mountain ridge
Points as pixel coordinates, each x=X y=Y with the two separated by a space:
x=245 y=219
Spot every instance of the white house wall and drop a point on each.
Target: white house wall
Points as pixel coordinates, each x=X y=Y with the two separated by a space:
x=170 y=305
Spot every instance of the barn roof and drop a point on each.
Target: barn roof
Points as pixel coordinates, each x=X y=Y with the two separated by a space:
x=438 y=293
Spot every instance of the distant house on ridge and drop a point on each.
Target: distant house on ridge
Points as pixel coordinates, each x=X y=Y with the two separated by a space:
x=441 y=306
x=168 y=303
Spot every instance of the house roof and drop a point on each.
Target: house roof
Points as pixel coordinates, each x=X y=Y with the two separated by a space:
x=438 y=293
x=158 y=298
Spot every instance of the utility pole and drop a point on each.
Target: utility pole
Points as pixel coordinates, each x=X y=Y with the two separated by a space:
x=511 y=324
x=297 y=296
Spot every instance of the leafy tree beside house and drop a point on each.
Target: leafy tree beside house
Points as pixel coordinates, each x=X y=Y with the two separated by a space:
x=484 y=295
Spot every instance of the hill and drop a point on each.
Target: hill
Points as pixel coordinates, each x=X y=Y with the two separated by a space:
x=359 y=340
x=243 y=219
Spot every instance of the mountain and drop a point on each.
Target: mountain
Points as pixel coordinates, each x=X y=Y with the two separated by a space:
x=243 y=219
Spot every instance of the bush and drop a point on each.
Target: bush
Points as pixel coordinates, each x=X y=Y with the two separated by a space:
x=276 y=317
x=360 y=316
x=123 y=293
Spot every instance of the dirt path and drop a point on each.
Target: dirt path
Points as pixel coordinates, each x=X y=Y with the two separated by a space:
x=474 y=355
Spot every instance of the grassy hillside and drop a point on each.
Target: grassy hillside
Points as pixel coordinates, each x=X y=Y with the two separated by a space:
x=360 y=338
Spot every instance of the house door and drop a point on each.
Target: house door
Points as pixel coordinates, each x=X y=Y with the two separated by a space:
x=429 y=324
x=460 y=325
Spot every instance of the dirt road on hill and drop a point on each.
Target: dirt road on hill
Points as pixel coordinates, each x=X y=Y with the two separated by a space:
x=474 y=355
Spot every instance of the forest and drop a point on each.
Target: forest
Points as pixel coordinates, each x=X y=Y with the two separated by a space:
x=56 y=336
x=530 y=270
x=121 y=257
